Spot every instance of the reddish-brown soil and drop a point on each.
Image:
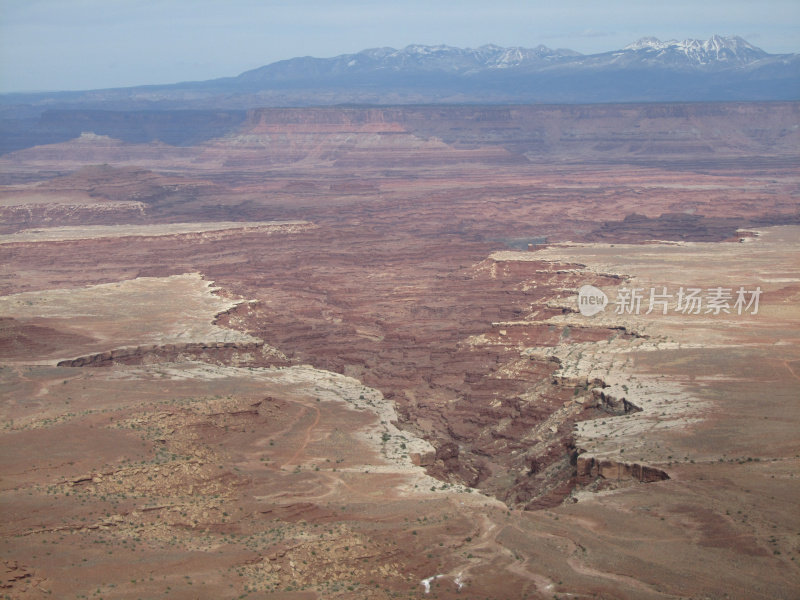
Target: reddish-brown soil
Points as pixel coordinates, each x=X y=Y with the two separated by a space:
x=393 y=286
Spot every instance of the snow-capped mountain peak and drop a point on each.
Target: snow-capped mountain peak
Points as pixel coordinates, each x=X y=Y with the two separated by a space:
x=730 y=50
x=537 y=72
x=649 y=43
x=451 y=59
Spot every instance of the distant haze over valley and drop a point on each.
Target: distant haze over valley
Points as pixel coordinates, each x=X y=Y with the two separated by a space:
x=720 y=69
x=647 y=70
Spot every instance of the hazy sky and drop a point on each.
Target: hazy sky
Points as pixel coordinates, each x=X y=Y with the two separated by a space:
x=89 y=44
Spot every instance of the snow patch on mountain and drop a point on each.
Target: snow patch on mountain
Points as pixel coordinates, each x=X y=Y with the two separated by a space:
x=717 y=48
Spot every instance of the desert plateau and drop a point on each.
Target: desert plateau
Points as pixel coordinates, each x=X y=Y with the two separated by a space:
x=338 y=352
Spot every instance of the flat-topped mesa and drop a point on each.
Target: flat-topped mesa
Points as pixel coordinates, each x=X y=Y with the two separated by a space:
x=353 y=138
x=324 y=120
x=647 y=131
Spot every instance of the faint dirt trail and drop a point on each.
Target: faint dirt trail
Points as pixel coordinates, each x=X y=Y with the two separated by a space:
x=629 y=582
x=488 y=542
x=307 y=439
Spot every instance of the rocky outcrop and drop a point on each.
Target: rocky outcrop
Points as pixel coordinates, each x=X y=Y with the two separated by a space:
x=161 y=352
x=636 y=227
x=613 y=403
x=589 y=469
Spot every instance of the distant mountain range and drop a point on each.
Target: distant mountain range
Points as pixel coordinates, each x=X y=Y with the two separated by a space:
x=649 y=70
x=713 y=55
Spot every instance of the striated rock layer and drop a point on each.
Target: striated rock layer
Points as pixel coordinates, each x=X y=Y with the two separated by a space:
x=411 y=285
